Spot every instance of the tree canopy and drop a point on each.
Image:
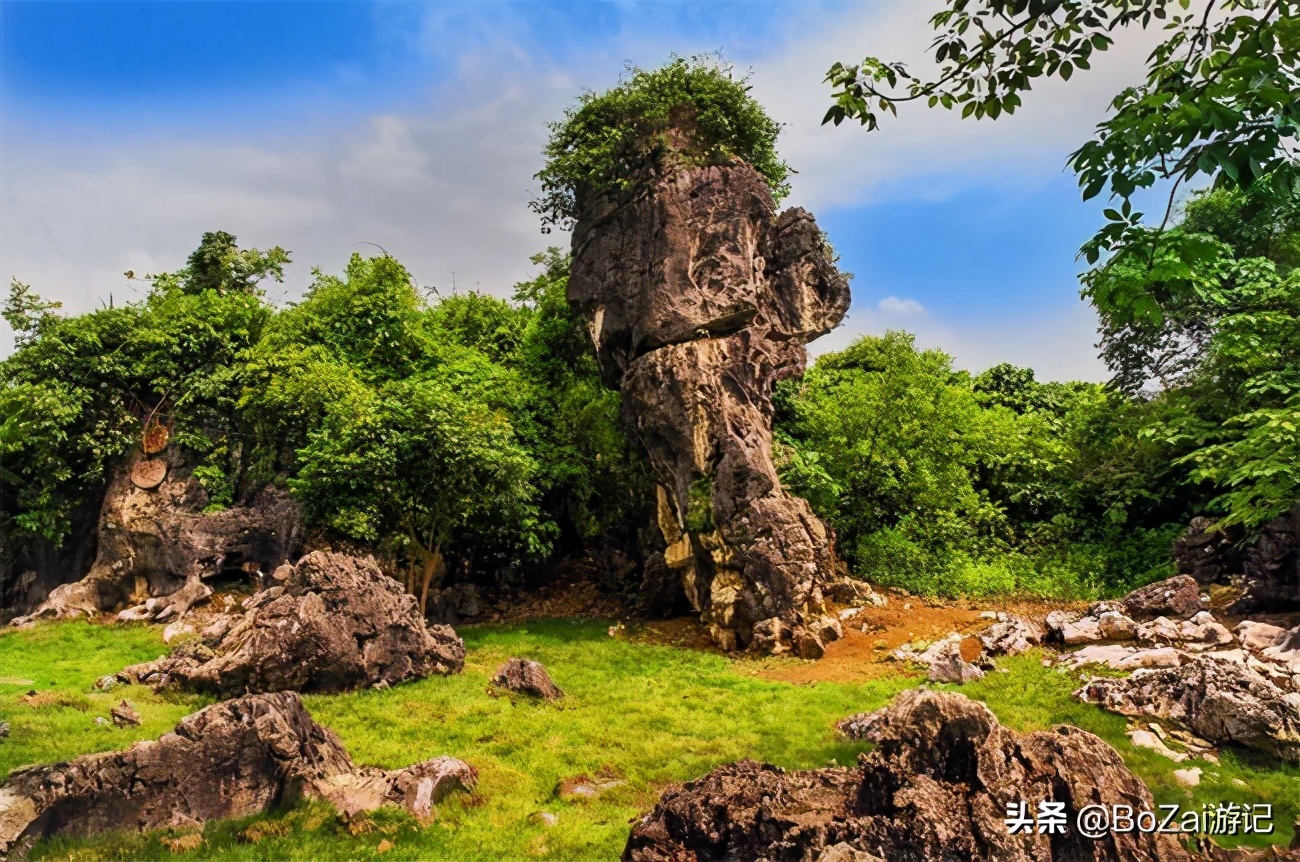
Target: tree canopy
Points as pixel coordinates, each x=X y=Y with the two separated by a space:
x=697 y=109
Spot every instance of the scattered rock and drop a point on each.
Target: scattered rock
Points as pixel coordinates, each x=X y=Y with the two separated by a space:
x=124 y=715
x=1178 y=596
x=951 y=659
x=232 y=759
x=545 y=818
x=1012 y=635
x=1072 y=628
x=1150 y=741
x=699 y=297
x=1188 y=777
x=526 y=677
x=1201 y=632
x=333 y=622
x=1220 y=700
x=936 y=786
x=384 y=846
x=4 y=730
x=582 y=788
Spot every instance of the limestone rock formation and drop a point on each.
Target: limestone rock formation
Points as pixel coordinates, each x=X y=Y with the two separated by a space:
x=232 y=759
x=1012 y=635
x=526 y=677
x=1220 y=700
x=156 y=548
x=331 y=622
x=1179 y=596
x=699 y=298
x=936 y=787
x=1267 y=565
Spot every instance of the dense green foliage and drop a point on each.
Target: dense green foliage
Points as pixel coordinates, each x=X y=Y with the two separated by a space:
x=942 y=482
x=645 y=714
x=75 y=395
x=1210 y=310
x=469 y=431
x=696 y=110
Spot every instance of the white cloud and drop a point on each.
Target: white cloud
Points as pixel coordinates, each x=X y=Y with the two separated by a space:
x=894 y=305
x=443 y=183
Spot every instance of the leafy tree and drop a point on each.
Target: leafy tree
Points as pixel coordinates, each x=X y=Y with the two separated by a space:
x=696 y=109
x=76 y=392
x=1218 y=99
x=419 y=460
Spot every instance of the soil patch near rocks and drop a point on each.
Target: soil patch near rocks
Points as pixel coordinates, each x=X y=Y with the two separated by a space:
x=861 y=656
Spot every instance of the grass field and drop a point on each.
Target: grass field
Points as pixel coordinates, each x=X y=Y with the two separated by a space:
x=644 y=714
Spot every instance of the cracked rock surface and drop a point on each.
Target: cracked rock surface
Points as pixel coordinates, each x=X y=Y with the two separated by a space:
x=232 y=759
x=699 y=298
x=934 y=789
x=330 y=623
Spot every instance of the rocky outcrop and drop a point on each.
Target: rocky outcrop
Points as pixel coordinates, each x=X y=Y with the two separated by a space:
x=233 y=759
x=1218 y=699
x=699 y=298
x=1012 y=634
x=1207 y=553
x=937 y=786
x=1179 y=596
x=1271 y=568
x=332 y=622
x=1267 y=564
x=156 y=547
x=526 y=677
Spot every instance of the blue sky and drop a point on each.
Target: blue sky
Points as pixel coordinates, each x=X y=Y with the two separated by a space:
x=126 y=129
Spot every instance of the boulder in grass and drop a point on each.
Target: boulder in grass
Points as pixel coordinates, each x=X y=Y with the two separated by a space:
x=938 y=785
x=233 y=759
x=330 y=623
x=526 y=677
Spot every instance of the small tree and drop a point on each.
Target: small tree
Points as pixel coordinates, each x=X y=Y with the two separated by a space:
x=418 y=464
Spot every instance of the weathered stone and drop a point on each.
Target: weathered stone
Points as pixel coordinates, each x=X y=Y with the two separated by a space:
x=1201 y=632
x=1258 y=637
x=1206 y=553
x=851 y=591
x=699 y=298
x=233 y=759
x=1271 y=566
x=1176 y=597
x=950 y=659
x=1151 y=742
x=1219 y=700
x=1072 y=628
x=526 y=677
x=1012 y=635
x=157 y=544
x=124 y=715
x=937 y=786
x=332 y=623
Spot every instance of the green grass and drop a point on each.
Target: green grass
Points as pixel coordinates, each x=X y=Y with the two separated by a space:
x=651 y=714
x=64 y=660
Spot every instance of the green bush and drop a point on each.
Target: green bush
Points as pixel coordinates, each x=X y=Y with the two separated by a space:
x=695 y=109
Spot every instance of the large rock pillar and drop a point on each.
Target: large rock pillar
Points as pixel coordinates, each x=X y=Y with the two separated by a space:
x=699 y=298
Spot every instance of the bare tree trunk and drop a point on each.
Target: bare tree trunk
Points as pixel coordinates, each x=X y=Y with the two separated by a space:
x=433 y=566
